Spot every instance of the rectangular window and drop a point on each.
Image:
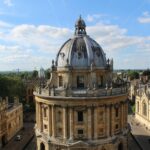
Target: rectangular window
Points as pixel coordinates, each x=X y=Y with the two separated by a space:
x=80 y=116
x=45 y=127
x=45 y=112
x=117 y=112
x=100 y=84
x=101 y=132
x=117 y=126
x=60 y=81
x=80 y=131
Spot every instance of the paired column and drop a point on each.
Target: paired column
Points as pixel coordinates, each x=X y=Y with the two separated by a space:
x=40 y=121
x=37 y=113
x=71 y=123
x=53 y=121
x=65 y=122
x=49 y=121
x=107 y=121
x=95 y=123
x=122 y=116
x=89 y=123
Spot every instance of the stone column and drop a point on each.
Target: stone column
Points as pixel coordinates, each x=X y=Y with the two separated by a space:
x=37 y=113
x=112 y=120
x=95 y=122
x=107 y=121
x=122 y=117
x=49 y=121
x=65 y=122
x=89 y=123
x=40 y=117
x=71 y=123
x=126 y=113
x=53 y=121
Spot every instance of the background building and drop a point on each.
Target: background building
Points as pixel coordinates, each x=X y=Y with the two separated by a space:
x=81 y=107
x=11 y=119
x=142 y=109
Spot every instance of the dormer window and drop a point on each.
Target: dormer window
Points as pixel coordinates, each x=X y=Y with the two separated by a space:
x=80 y=81
x=100 y=82
x=60 y=78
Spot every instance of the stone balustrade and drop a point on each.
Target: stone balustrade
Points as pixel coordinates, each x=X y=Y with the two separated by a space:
x=102 y=92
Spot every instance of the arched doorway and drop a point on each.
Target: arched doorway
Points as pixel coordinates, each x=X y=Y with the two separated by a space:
x=120 y=146
x=42 y=146
x=4 y=141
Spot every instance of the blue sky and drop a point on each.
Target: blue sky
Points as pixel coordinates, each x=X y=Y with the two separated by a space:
x=32 y=31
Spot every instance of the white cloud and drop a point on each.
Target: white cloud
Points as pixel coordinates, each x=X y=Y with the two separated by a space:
x=95 y=17
x=29 y=46
x=145 y=18
x=8 y=2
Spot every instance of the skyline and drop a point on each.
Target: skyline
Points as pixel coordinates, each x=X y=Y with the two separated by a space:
x=31 y=35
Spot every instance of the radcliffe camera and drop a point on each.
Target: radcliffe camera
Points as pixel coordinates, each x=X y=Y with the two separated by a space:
x=74 y=75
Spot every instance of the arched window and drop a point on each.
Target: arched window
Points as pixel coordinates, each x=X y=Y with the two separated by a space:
x=120 y=146
x=144 y=108
x=42 y=146
x=28 y=91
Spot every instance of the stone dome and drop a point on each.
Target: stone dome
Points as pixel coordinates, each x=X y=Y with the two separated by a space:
x=81 y=51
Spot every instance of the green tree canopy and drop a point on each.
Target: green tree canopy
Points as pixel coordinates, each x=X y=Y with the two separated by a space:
x=133 y=75
x=146 y=72
x=11 y=86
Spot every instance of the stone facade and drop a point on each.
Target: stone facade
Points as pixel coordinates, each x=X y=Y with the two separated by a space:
x=142 y=103
x=11 y=119
x=80 y=107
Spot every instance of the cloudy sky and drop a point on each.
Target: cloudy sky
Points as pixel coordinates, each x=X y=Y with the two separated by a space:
x=32 y=31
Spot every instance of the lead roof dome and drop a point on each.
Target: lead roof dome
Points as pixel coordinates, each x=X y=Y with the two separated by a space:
x=81 y=51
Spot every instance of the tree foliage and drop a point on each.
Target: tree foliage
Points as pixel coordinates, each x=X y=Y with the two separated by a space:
x=146 y=72
x=11 y=86
x=133 y=75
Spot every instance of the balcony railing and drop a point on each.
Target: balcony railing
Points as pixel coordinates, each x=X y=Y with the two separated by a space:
x=65 y=92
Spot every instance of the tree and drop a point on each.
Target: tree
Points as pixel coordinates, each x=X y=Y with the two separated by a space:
x=47 y=74
x=11 y=86
x=34 y=74
x=146 y=72
x=133 y=75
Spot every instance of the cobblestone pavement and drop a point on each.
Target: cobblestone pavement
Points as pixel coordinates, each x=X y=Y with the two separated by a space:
x=139 y=131
x=26 y=135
